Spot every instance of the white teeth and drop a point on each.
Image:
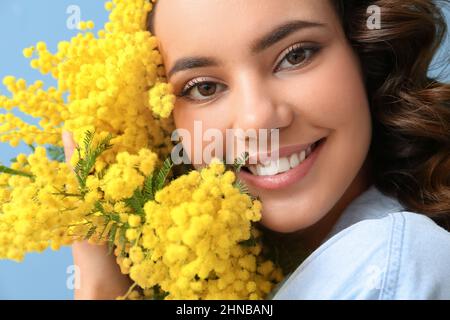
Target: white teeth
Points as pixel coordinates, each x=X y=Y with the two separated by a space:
x=294 y=160
x=259 y=170
x=265 y=161
x=269 y=170
x=308 y=151
x=281 y=165
x=302 y=155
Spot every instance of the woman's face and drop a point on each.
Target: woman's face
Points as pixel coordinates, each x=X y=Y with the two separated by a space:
x=304 y=80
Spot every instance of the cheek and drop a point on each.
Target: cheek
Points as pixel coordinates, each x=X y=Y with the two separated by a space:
x=331 y=95
x=184 y=123
x=201 y=126
x=180 y=117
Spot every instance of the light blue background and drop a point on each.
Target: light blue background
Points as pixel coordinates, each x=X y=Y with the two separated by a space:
x=23 y=23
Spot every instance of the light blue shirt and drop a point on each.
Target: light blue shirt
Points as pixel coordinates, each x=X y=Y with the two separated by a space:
x=377 y=250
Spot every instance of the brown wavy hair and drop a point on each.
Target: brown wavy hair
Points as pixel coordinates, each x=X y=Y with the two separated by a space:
x=410 y=149
x=410 y=110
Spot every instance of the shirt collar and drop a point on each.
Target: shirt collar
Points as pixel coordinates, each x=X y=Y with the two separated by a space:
x=371 y=204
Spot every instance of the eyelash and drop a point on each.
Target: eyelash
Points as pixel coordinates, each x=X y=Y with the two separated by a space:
x=192 y=84
x=312 y=48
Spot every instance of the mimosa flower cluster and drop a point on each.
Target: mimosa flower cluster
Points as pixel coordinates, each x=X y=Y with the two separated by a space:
x=186 y=237
x=190 y=242
x=33 y=214
x=114 y=82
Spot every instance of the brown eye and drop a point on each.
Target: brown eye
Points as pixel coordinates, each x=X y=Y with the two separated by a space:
x=198 y=90
x=297 y=56
x=207 y=88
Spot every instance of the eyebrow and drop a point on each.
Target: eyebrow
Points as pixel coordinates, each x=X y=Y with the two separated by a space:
x=276 y=35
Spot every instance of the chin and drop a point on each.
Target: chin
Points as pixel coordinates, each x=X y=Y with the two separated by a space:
x=287 y=224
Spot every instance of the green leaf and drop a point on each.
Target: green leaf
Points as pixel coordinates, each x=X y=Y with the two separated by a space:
x=111 y=238
x=13 y=172
x=102 y=173
x=136 y=202
x=85 y=165
x=162 y=174
x=88 y=138
x=56 y=153
x=99 y=207
x=114 y=217
x=251 y=242
x=104 y=145
x=65 y=194
x=90 y=233
x=159 y=294
x=33 y=148
x=122 y=240
x=241 y=161
x=105 y=227
x=148 y=188
x=241 y=186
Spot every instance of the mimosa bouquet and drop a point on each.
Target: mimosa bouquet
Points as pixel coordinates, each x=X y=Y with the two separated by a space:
x=190 y=235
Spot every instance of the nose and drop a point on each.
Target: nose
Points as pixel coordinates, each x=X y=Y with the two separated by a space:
x=258 y=105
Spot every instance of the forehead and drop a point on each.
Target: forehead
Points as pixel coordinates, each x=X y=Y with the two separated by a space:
x=211 y=27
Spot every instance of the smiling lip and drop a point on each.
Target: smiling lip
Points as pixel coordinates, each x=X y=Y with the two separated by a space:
x=287 y=178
